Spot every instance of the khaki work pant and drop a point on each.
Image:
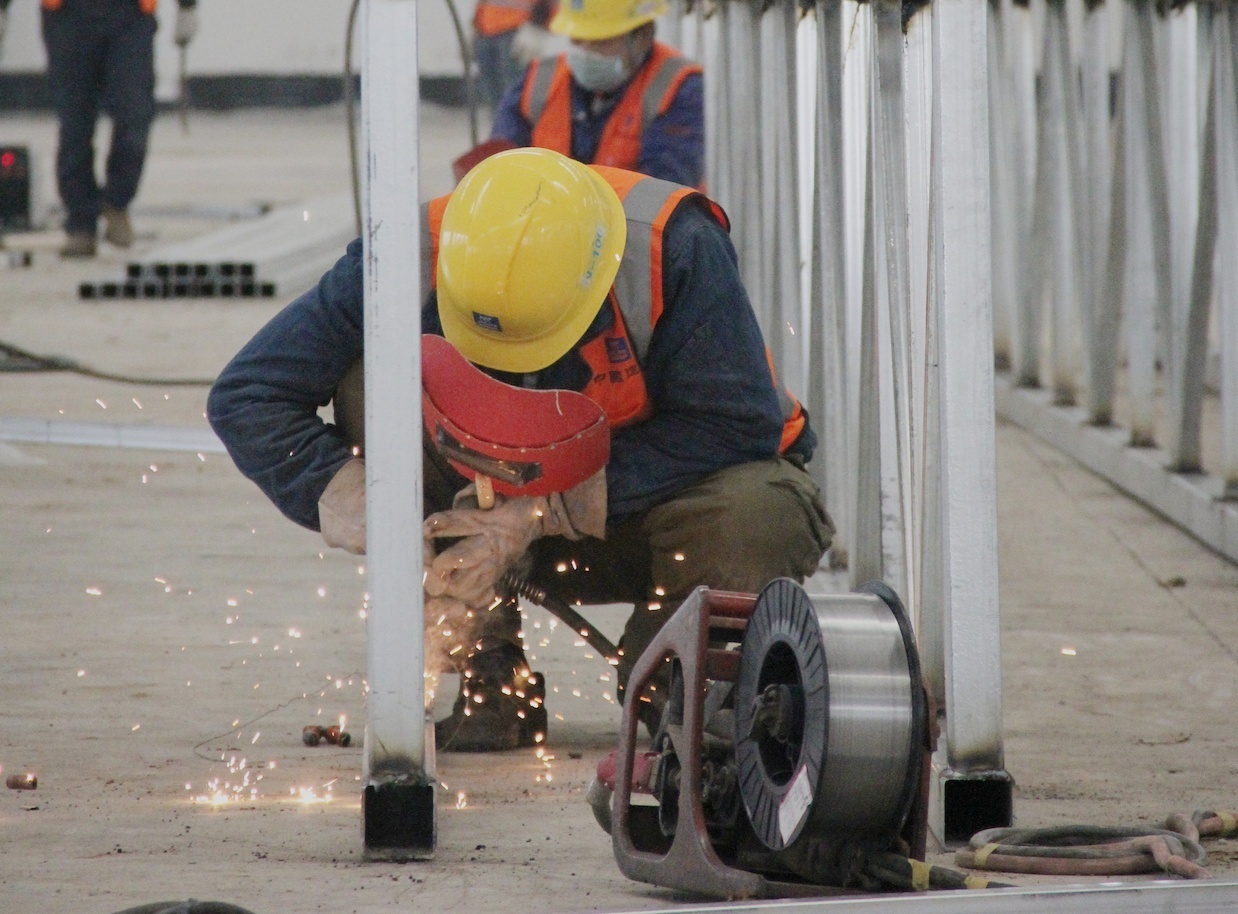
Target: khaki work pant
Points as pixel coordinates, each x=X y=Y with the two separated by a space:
x=736 y=529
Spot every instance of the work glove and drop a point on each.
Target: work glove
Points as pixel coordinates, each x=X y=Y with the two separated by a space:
x=532 y=42
x=494 y=539
x=186 y=25
x=341 y=509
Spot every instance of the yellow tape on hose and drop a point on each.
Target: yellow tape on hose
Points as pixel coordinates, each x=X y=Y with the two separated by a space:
x=1229 y=824
x=982 y=856
x=920 y=872
x=976 y=882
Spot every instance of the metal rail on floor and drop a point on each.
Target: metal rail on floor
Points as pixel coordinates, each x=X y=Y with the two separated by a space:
x=1146 y=898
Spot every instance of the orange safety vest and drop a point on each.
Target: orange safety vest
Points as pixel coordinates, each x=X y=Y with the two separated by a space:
x=146 y=6
x=494 y=17
x=635 y=299
x=546 y=104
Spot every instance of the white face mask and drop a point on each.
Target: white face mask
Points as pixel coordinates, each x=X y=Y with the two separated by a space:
x=597 y=72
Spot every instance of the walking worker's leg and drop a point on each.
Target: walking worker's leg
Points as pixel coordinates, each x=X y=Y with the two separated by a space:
x=738 y=529
x=494 y=67
x=75 y=69
x=129 y=97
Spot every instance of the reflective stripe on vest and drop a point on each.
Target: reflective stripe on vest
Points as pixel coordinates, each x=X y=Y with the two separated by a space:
x=546 y=103
x=146 y=6
x=617 y=383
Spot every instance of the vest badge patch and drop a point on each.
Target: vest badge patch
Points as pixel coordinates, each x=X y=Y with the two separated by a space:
x=617 y=349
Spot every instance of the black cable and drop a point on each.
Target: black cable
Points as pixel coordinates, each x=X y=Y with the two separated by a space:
x=14 y=358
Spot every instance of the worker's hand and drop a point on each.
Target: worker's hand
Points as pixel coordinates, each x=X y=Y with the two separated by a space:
x=449 y=629
x=341 y=509
x=495 y=539
x=532 y=42
x=186 y=25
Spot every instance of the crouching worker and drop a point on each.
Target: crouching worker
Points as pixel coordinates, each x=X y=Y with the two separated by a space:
x=549 y=274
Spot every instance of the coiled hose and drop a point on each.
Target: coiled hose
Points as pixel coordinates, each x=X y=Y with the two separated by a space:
x=1087 y=850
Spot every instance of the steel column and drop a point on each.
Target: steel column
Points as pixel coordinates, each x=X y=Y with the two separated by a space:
x=828 y=401
x=398 y=806
x=971 y=789
x=1147 y=264
x=1225 y=92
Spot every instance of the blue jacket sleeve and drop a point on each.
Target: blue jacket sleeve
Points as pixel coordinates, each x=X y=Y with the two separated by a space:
x=706 y=373
x=673 y=147
x=509 y=123
x=264 y=405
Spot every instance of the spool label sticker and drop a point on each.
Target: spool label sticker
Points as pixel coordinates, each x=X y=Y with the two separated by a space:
x=794 y=805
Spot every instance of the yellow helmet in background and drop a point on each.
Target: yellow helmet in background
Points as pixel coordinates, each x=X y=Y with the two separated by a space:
x=595 y=20
x=529 y=247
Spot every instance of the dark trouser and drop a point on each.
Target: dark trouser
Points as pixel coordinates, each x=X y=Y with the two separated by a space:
x=737 y=529
x=497 y=69
x=100 y=56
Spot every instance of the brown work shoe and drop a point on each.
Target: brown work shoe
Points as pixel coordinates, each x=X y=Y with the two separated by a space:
x=79 y=244
x=117 y=229
x=500 y=706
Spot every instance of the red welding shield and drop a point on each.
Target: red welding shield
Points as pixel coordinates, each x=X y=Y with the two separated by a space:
x=526 y=442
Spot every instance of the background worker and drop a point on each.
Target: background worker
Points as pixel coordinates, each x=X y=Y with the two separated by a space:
x=506 y=33
x=544 y=272
x=101 y=55
x=616 y=97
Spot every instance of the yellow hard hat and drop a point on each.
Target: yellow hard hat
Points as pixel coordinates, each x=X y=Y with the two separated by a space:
x=595 y=20
x=529 y=246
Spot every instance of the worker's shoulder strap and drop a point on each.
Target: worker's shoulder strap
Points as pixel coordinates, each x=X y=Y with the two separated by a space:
x=541 y=80
x=647 y=206
x=431 y=223
x=669 y=70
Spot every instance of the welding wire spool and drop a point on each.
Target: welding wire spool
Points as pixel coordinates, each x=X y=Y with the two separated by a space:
x=848 y=762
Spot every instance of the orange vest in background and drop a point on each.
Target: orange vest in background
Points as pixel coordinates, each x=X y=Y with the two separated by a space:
x=494 y=17
x=546 y=103
x=146 y=6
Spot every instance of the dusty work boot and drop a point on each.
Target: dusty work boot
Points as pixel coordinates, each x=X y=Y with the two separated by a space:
x=79 y=244
x=501 y=705
x=117 y=229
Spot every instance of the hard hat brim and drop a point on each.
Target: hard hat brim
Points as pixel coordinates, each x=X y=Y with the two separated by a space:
x=573 y=27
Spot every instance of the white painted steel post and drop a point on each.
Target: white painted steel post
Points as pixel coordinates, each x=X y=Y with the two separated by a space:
x=1225 y=62
x=398 y=806
x=828 y=400
x=1147 y=284
x=889 y=181
x=971 y=790
x=1009 y=250
x=1097 y=177
x=1065 y=239
x=918 y=121
x=1185 y=400
x=778 y=237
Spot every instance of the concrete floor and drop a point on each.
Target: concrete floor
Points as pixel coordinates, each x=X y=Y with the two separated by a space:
x=167 y=633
